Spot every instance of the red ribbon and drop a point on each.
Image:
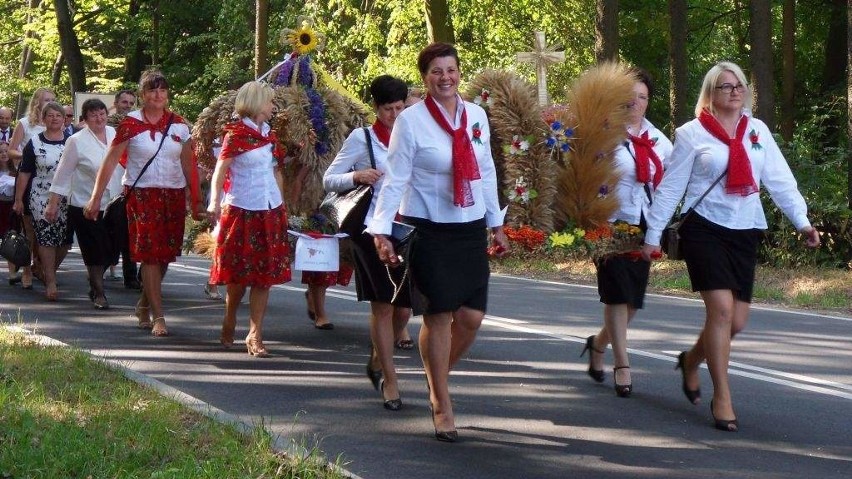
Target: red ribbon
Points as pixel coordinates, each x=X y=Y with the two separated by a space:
x=740 y=179
x=645 y=155
x=465 y=168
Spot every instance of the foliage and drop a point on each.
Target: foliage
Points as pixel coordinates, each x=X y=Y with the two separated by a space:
x=821 y=175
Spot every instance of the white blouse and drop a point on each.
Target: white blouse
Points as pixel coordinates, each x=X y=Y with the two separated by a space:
x=78 y=167
x=353 y=156
x=166 y=170
x=699 y=158
x=29 y=132
x=419 y=171
x=633 y=200
x=252 y=176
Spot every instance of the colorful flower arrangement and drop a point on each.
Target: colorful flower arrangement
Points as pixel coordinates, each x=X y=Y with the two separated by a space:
x=529 y=239
x=520 y=145
x=304 y=39
x=619 y=238
x=521 y=193
x=560 y=137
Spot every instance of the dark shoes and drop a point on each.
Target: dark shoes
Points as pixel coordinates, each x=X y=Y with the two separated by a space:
x=375 y=375
x=443 y=436
x=693 y=395
x=596 y=374
x=724 y=424
x=390 y=404
x=132 y=283
x=621 y=390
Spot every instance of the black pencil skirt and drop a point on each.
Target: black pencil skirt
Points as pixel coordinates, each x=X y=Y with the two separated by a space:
x=718 y=257
x=622 y=280
x=449 y=266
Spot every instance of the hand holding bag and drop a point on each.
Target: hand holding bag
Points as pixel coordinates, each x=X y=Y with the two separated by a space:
x=348 y=209
x=670 y=241
x=401 y=237
x=15 y=247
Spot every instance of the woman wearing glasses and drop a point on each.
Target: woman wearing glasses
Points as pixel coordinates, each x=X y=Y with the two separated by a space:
x=720 y=240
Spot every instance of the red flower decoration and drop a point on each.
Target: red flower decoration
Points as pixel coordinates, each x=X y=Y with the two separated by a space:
x=175 y=137
x=477 y=132
x=755 y=140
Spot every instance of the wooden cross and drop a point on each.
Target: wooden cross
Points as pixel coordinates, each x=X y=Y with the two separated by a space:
x=541 y=57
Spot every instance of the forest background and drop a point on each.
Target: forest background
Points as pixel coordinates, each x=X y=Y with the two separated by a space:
x=796 y=54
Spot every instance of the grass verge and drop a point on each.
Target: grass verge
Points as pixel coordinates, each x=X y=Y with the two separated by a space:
x=63 y=414
x=805 y=288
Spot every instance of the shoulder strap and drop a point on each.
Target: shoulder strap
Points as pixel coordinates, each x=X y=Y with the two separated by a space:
x=150 y=160
x=692 y=208
x=370 y=147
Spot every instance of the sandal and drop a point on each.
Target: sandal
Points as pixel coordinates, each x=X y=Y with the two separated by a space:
x=143 y=316
x=212 y=293
x=256 y=348
x=100 y=303
x=158 y=328
x=404 y=344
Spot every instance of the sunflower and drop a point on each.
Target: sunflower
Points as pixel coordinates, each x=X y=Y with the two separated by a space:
x=304 y=39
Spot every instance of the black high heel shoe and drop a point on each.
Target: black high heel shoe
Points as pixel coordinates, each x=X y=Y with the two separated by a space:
x=693 y=395
x=724 y=424
x=621 y=390
x=596 y=374
x=390 y=404
x=375 y=375
x=443 y=436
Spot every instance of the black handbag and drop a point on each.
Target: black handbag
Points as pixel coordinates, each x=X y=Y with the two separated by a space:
x=115 y=213
x=670 y=241
x=401 y=237
x=348 y=209
x=14 y=247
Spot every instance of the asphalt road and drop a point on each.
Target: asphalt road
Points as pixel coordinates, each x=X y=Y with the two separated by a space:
x=524 y=406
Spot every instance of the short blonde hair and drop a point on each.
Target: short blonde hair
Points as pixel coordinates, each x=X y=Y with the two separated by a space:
x=34 y=108
x=705 y=99
x=251 y=98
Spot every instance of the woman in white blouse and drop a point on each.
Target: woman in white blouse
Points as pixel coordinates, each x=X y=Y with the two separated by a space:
x=720 y=239
x=352 y=167
x=251 y=244
x=622 y=279
x=75 y=179
x=441 y=178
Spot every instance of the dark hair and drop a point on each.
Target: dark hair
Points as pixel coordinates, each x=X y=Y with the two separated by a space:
x=643 y=76
x=125 y=92
x=433 y=51
x=90 y=105
x=151 y=80
x=387 y=89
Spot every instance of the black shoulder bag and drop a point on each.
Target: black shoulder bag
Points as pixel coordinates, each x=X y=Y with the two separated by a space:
x=348 y=209
x=115 y=214
x=670 y=242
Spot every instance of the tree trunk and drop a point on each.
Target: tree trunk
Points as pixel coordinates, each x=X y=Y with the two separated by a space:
x=788 y=78
x=761 y=61
x=678 y=72
x=261 y=36
x=56 y=71
x=27 y=59
x=70 y=46
x=849 y=106
x=606 y=30
x=832 y=76
x=439 y=24
x=135 y=54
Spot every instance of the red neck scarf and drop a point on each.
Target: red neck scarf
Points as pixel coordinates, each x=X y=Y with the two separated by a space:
x=740 y=181
x=645 y=155
x=241 y=138
x=130 y=127
x=382 y=132
x=465 y=168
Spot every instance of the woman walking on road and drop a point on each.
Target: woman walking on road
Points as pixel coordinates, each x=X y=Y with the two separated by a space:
x=720 y=239
x=351 y=167
x=157 y=141
x=622 y=280
x=442 y=180
x=251 y=246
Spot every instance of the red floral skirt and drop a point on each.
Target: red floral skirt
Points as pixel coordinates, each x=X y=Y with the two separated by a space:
x=252 y=248
x=319 y=278
x=156 y=219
